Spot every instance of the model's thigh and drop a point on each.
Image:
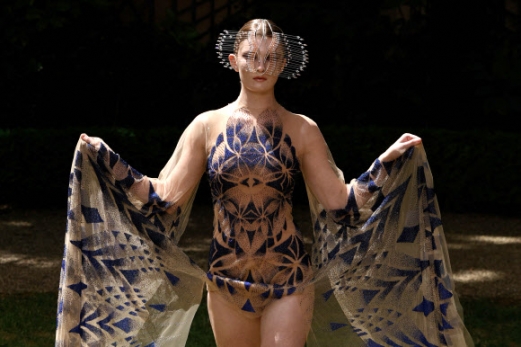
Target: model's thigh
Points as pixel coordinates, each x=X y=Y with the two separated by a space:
x=286 y=322
x=231 y=327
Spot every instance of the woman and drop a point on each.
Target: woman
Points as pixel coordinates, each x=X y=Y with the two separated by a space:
x=263 y=288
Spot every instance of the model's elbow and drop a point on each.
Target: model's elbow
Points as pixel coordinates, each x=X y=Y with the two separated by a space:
x=335 y=200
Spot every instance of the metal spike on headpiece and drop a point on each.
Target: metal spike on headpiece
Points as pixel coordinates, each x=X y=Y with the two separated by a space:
x=269 y=52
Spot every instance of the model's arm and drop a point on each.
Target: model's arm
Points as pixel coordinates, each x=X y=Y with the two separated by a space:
x=178 y=178
x=323 y=181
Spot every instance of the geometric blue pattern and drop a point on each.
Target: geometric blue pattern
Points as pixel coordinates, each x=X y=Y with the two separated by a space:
x=371 y=343
x=327 y=294
x=336 y=326
x=409 y=234
x=256 y=248
x=248 y=306
x=123 y=276
x=173 y=279
x=160 y=308
x=443 y=292
x=124 y=324
x=396 y=254
x=369 y=295
x=113 y=265
x=78 y=287
x=425 y=306
x=91 y=214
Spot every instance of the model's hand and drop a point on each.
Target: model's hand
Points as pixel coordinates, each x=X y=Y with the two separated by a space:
x=94 y=141
x=85 y=137
x=400 y=146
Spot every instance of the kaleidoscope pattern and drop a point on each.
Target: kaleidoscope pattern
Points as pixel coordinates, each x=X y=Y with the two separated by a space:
x=257 y=253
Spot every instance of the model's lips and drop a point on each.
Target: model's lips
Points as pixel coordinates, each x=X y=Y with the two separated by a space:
x=260 y=79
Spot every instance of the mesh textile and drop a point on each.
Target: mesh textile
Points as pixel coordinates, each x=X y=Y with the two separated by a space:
x=124 y=282
x=379 y=266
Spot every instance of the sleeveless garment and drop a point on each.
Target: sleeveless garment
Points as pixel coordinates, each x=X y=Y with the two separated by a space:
x=257 y=254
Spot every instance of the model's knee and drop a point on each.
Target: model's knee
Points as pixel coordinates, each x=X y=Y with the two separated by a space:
x=286 y=322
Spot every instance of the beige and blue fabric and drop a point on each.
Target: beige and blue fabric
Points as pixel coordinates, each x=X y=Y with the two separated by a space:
x=381 y=271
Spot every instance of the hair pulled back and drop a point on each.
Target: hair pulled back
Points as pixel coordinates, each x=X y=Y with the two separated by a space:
x=261 y=27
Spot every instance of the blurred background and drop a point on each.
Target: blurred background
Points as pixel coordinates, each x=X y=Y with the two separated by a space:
x=136 y=72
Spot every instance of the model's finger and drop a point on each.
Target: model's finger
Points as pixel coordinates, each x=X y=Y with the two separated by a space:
x=412 y=140
x=85 y=137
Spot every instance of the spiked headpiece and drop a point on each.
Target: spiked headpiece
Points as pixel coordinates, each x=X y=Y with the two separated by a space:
x=278 y=53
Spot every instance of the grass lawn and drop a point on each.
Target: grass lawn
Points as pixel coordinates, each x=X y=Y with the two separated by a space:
x=28 y=320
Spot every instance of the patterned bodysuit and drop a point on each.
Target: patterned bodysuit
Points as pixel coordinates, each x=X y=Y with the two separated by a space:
x=257 y=253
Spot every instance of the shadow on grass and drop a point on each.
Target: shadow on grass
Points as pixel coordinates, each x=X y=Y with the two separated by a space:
x=28 y=320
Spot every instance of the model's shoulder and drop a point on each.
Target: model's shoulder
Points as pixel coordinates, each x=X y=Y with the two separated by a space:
x=206 y=117
x=212 y=115
x=302 y=122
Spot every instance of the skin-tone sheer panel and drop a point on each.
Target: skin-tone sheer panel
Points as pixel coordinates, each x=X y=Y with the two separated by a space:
x=187 y=173
x=175 y=182
x=318 y=173
x=312 y=152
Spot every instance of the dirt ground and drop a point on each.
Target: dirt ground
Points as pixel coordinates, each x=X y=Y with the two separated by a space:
x=485 y=251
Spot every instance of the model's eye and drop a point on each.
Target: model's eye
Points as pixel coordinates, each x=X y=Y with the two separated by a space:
x=275 y=56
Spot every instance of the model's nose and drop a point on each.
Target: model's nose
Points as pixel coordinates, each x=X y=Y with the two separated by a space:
x=260 y=65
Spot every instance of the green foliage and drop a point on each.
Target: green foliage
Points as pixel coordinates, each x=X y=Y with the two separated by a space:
x=38 y=161
x=182 y=33
x=474 y=171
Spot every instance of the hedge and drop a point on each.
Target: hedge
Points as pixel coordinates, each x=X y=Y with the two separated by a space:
x=474 y=171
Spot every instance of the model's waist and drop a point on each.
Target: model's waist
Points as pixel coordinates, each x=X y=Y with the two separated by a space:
x=224 y=227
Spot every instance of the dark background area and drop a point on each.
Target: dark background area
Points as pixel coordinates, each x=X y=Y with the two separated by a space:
x=451 y=64
x=449 y=71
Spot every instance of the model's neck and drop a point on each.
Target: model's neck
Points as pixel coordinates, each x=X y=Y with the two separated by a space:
x=256 y=102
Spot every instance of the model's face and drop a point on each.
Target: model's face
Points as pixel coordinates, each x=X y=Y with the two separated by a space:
x=259 y=62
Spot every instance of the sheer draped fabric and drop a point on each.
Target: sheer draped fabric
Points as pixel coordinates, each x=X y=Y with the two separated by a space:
x=383 y=275
x=380 y=269
x=124 y=281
